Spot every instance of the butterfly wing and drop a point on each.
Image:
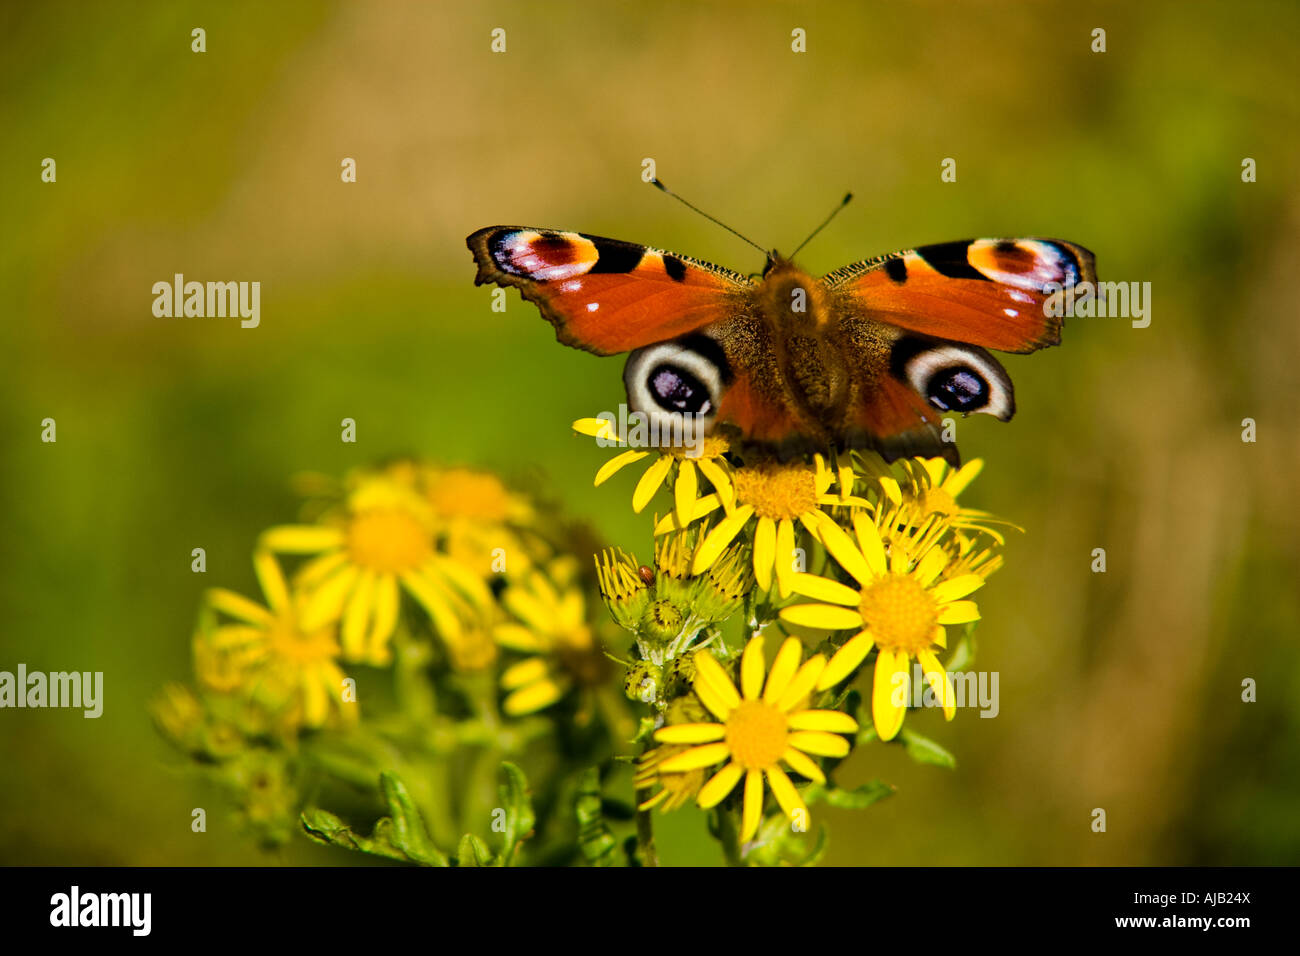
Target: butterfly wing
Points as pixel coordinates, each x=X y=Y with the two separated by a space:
x=919 y=323
x=985 y=292
x=604 y=295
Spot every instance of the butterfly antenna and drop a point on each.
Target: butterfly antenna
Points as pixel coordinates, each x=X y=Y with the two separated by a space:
x=664 y=189
x=843 y=202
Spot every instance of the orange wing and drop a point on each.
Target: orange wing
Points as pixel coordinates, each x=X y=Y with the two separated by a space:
x=604 y=295
x=985 y=292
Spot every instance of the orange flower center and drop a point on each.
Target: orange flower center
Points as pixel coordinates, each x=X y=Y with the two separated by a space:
x=388 y=540
x=900 y=614
x=713 y=447
x=756 y=734
x=469 y=494
x=777 y=491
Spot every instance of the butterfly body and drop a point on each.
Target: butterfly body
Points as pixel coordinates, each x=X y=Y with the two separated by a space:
x=874 y=354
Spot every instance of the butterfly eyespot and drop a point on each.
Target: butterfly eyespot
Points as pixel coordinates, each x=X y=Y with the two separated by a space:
x=957 y=389
x=956 y=378
x=677 y=390
x=672 y=381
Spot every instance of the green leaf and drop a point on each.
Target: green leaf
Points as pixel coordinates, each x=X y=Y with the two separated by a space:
x=963 y=655
x=924 y=750
x=324 y=827
x=519 y=818
x=473 y=852
x=408 y=831
x=594 y=837
x=859 y=797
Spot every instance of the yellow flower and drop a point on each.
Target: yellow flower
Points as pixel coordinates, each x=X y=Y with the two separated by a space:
x=675 y=789
x=758 y=728
x=929 y=493
x=708 y=461
x=480 y=523
x=777 y=495
x=552 y=628
x=267 y=653
x=383 y=538
x=900 y=607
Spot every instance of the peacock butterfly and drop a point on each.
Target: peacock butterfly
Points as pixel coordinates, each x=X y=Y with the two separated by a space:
x=870 y=355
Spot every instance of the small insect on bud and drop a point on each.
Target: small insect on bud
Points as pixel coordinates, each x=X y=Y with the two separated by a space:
x=647 y=574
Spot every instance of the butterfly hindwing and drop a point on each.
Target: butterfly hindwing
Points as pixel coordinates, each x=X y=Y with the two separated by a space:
x=605 y=295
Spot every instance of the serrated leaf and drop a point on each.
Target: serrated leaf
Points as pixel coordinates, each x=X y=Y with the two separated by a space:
x=408 y=831
x=324 y=827
x=594 y=837
x=518 y=810
x=473 y=852
x=924 y=750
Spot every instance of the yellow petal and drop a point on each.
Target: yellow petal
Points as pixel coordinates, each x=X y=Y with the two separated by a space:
x=785 y=556
x=938 y=680
x=722 y=485
x=957 y=483
x=819 y=743
x=690 y=733
x=802 y=764
x=831 y=721
x=684 y=490
x=325 y=604
x=695 y=758
x=720 y=785
x=828 y=617
x=888 y=688
x=872 y=548
x=804 y=682
x=650 y=482
x=357 y=614
x=847 y=478
x=714 y=687
x=301 y=538
x=622 y=459
x=533 y=698
x=959 y=612
x=957 y=587
x=783 y=668
x=786 y=795
x=525 y=672
x=718 y=539
x=824 y=589
x=387 y=603
x=846 y=660
x=753 y=811
x=751 y=669
x=272 y=580
x=519 y=638
x=706 y=504
x=311 y=574
x=238 y=606
x=928 y=568
x=843 y=550
x=764 y=552
x=596 y=428
x=430 y=596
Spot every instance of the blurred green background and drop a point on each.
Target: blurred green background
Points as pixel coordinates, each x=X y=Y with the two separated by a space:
x=1119 y=690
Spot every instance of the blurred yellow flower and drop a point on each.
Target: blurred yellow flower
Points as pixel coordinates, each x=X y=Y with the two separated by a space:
x=758 y=727
x=900 y=607
x=266 y=654
x=551 y=627
x=383 y=538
